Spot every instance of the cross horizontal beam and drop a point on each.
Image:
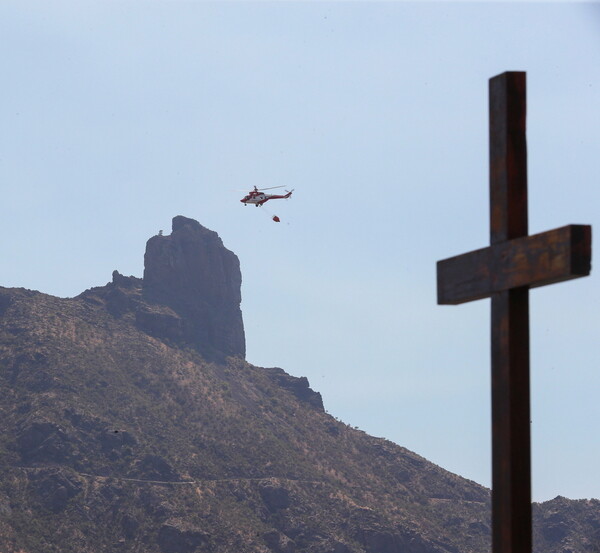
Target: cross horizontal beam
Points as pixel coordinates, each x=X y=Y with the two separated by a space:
x=545 y=258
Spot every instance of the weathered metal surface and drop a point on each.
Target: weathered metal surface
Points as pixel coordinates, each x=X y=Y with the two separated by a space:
x=538 y=260
x=504 y=271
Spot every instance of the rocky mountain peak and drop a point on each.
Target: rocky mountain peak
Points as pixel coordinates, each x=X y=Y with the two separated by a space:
x=190 y=293
x=191 y=272
x=180 y=222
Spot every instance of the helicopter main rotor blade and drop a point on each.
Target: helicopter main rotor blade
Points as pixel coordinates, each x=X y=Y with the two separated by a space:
x=270 y=188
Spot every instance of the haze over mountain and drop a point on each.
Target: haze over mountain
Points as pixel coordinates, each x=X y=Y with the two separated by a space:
x=132 y=423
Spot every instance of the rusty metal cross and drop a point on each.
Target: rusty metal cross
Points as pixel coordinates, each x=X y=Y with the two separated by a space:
x=504 y=271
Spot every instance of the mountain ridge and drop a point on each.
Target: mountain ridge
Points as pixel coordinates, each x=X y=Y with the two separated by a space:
x=133 y=423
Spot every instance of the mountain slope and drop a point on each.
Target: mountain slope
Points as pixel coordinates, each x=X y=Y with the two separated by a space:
x=133 y=423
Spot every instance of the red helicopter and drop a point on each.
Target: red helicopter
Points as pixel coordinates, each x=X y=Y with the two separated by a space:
x=258 y=197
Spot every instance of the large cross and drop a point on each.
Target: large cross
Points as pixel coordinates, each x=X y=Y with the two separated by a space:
x=504 y=271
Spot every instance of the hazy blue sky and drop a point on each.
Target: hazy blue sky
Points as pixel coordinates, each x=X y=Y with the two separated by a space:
x=117 y=116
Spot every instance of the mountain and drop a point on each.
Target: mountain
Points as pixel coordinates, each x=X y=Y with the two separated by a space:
x=132 y=423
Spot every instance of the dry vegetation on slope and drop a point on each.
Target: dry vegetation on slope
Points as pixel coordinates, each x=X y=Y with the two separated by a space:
x=119 y=439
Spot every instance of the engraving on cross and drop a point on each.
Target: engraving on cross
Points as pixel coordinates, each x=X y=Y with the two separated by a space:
x=504 y=272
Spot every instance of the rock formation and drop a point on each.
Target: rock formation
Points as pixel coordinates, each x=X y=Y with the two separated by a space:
x=190 y=293
x=191 y=272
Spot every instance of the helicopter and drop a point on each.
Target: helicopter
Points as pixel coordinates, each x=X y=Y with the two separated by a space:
x=258 y=197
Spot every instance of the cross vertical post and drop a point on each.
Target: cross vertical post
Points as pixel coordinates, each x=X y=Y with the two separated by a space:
x=505 y=271
x=511 y=442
